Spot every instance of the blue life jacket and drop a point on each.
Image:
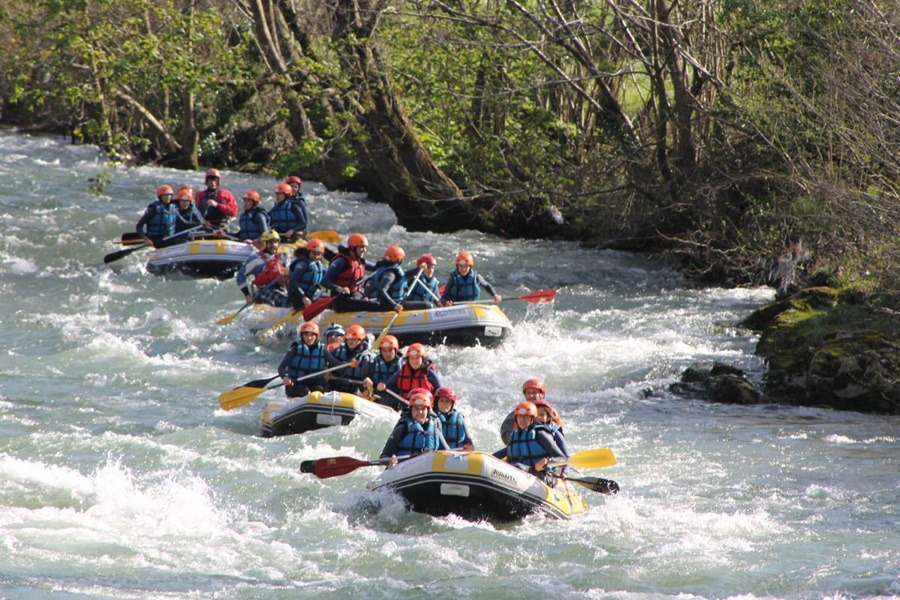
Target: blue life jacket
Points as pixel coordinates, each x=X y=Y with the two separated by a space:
x=463 y=289
x=419 y=439
x=454 y=428
x=250 y=229
x=307 y=360
x=397 y=291
x=420 y=292
x=309 y=280
x=162 y=223
x=283 y=217
x=383 y=370
x=345 y=355
x=524 y=447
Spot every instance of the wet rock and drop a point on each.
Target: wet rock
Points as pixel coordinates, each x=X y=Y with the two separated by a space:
x=719 y=383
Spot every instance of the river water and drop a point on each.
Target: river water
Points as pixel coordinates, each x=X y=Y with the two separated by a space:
x=120 y=476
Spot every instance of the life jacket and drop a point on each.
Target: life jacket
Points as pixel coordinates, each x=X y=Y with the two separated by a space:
x=409 y=380
x=250 y=229
x=397 y=291
x=463 y=289
x=524 y=447
x=162 y=223
x=344 y=355
x=307 y=360
x=309 y=280
x=283 y=217
x=420 y=293
x=352 y=274
x=454 y=428
x=186 y=219
x=383 y=370
x=271 y=271
x=213 y=215
x=419 y=438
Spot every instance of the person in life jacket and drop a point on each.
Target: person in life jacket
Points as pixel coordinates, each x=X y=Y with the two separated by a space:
x=417 y=433
x=355 y=348
x=297 y=196
x=158 y=220
x=388 y=284
x=382 y=366
x=254 y=221
x=453 y=422
x=464 y=284
x=426 y=288
x=186 y=217
x=301 y=367
x=531 y=446
x=344 y=276
x=268 y=271
x=289 y=218
x=305 y=274
x=334 y=336
x=215 y=204
x=416 y=372
x=533 y=390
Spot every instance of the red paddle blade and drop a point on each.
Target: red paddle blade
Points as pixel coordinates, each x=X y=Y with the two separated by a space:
x=316 y=307
x=339 y=465
x=539 y=296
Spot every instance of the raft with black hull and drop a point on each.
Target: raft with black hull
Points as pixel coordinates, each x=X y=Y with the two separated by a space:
x=318 y=410
x=219 y=259
x=463 y=324
x=476 y=486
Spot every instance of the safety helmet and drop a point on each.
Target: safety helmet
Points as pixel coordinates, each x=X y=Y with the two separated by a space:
x=389 y=341
x=395 y=254
x=293 y=179
x=163 y=190
x=270 y=235
x=333 y=330
x=357 y=240
x=185 y=192
x=525 y=408
x=213 y=173
x=535 y=383
x=465 y=257
x=309 y=327
x=416 y=349
x=355 y=332
x=427 y=259
x=252 y=195
x=420 y=397
x=284 y=189
x=542 y=402
x=315 y=246
x=447 y=393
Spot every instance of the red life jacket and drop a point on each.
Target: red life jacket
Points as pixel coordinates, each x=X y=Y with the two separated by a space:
x=409 y=380
x=271 y=271
x=353 y=274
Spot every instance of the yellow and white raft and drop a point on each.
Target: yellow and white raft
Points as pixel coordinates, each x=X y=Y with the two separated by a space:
x=200 y=258
x=462 y=324
x=476 y=486
x=318 y=410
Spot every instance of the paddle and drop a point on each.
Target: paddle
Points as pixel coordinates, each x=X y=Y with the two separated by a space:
x=114 y=256
x=248 y=392
x=534 y=297
x=326 y=235
x=337 y=465
x=129 y=238
x=597 y=484
x=230 y=318
x=596 y=458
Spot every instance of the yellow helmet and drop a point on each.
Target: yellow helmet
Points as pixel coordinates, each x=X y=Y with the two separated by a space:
x=269 y=236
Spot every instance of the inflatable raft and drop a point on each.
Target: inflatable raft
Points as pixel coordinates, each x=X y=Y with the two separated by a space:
x=463 y=324
x=200 y=258
x=476 y=486
x=317 y=411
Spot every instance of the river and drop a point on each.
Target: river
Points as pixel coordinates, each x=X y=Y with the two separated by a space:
x=121 y=477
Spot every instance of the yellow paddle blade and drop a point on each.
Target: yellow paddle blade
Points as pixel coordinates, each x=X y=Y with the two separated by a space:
x=239 y=397
x=326 y=235
x=596 y=458
x=228 y=320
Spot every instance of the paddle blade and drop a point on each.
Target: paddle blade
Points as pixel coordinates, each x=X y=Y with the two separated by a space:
x=539 y=296
x=229 y=319
x=316 y=307
x=326 y=235
x=245 y=394
x=130 y=238
x=338 y=465
x=597 y=484
x=114 y=256
x=593 y=459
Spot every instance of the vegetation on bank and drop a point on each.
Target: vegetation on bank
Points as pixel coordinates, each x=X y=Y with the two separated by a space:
x=723 y=132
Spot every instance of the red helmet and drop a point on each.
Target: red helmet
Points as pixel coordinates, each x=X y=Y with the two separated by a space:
x=355 y=332
x=284 y=189
x=389 y=341
x=317 y=246
x=420 y=397
x=447 y=393
x=252 y=195
x=213 y=173
x=536 y=384
x=416 y=349
x=294 y=179
x=525 y=408
x=395 y=254
x=427 y=259
x=185 y=192
x=357 y=240
x=309 y=327
x=163 y=190
x=465 y=257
